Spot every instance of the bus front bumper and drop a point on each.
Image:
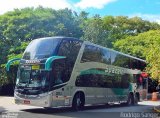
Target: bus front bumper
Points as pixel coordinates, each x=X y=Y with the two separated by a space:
x=41 y=101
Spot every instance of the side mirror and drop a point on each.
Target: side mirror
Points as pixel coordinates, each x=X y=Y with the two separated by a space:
x=49 y=61
x=10 y=62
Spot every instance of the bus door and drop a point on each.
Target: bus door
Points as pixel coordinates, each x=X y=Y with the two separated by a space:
x=58 y=79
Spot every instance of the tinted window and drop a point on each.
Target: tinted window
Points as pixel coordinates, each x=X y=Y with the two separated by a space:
x=103 y=81
x=96 y=54
x=134 y=63
x=106 y=56
x=117 y=81
x=92 y=54
x=137 y=64
x=88 y=80
x=125 y=81
x=70 y=49
x=141 y=65
x=114 y=58
x=121 y=61
x=59 y=74
x=40 y=48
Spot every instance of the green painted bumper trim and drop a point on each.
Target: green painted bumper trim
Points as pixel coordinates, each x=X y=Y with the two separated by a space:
x=49 y=61
x=120 y=91
x=10 y=62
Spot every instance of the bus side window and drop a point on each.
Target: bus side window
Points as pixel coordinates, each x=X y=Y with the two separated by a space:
x=92 y=54
x=57 y=73
x=69 y=49
x=106 y=56
x=125 y=81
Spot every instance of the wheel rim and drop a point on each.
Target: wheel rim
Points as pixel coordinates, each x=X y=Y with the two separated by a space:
x=136 y=100
x=78 y=102
x=130 y=101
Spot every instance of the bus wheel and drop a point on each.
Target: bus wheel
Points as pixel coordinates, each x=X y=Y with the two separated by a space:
x=78 y=101
x=136 y=98
x=130 y=100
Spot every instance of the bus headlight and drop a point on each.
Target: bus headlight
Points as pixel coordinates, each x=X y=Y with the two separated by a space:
x=16 y=93
x=43 y=95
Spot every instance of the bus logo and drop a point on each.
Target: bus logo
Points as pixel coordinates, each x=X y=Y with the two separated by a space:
x=32 y=61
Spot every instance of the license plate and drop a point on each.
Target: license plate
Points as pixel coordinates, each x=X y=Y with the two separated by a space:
x=26 y=102
x=35 y=67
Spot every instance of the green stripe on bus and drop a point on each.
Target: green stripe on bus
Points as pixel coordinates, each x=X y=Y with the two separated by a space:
x=94 y=71
x=119 y=91
x=130 y=87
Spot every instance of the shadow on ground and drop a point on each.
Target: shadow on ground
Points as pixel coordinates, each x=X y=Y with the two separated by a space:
x=68 y=109
x=2 y=109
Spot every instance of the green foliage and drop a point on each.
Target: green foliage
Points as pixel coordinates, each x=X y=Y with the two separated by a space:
x=146 y=46
x=27 y=24
x=107 y=30
x=94 y=31
x=17 y=50
x=153 y=55
x=14 y=52
x=3 y=77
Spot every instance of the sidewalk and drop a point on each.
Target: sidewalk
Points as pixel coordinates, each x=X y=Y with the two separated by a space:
x=157 y=107
x=7 y=104
x=5 y=101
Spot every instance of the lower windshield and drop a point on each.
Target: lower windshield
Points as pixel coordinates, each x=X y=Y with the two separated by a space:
x=41 y=48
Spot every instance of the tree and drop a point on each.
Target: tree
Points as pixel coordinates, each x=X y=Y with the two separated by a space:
x=146 y=46
x=94 y=31
x=120 y=27
x=109 y=29
x=153 y=57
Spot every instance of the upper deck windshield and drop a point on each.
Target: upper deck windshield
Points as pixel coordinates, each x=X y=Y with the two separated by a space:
x=41 y=48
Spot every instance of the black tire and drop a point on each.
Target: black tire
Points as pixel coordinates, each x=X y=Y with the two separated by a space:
x=78 y=102
x=136 y=99
x=130 y=100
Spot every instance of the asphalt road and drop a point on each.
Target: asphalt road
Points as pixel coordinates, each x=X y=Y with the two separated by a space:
x=143 y=110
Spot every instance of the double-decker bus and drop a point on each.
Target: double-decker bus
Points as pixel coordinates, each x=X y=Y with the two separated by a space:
x=65 y=71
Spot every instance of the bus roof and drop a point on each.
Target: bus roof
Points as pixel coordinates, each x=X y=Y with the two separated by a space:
x=58 y=37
